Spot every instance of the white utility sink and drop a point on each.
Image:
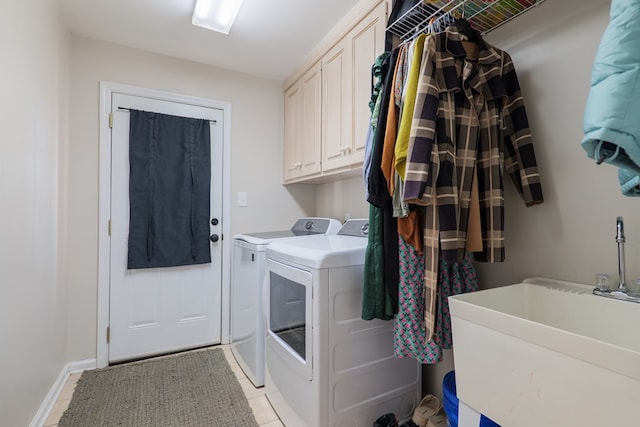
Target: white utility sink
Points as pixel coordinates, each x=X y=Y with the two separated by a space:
x=547 y=353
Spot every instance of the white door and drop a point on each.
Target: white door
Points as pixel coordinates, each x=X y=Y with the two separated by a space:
x=160 y=310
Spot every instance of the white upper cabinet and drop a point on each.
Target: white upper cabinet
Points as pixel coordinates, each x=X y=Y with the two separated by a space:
x=302 y=133
x=346 y=92
x=327 y=109
x=336 y=107
x=367 y=43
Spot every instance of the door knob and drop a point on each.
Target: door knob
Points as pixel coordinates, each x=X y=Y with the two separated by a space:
x=214 y=238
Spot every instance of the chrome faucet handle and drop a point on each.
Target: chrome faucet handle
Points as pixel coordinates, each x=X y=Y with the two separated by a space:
x=622 y=280
x=620 y=230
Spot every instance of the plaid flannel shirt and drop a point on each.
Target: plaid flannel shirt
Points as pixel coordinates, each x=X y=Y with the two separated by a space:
x=467 y=116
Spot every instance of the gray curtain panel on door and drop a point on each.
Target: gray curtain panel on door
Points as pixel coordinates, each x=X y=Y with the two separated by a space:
x=169 y=190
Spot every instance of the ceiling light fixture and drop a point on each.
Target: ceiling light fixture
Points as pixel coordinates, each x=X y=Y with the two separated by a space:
x=216 y=15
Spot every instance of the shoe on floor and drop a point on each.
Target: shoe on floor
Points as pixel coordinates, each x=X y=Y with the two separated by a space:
x=386 y=420
x=438 y=421
x=429 y=406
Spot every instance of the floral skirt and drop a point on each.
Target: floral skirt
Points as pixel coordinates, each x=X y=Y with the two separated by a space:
x=409 y=334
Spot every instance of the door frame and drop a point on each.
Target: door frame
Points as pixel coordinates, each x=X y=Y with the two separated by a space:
x=104 y=214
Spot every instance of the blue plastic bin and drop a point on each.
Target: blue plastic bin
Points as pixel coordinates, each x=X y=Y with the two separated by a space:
x=450 y=402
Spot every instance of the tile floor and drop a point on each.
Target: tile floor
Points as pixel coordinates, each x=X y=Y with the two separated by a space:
x=262 y=410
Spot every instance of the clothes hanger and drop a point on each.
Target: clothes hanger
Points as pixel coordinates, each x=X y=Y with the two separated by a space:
x=446 y=20
x=433 y=26
x=441 y=22
x=464 y=27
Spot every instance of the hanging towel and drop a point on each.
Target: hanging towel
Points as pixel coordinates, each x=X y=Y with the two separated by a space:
x=611 y=125
x=169 y=190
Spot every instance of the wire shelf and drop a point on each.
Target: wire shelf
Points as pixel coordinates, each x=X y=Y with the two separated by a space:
x=483 y=15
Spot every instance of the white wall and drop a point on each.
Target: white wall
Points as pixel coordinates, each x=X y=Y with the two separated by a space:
x=33 y=84
x=256 y=157
x=571 y=235
x=342 y=199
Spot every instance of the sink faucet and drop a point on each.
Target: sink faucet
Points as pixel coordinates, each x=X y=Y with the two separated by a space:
x=622 y=292
x=622 y=280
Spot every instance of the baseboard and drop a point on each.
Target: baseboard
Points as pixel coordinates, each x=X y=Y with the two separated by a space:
x=56 y=389
x=81 y=365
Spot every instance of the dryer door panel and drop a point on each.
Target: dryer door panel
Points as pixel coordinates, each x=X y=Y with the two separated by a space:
x=290 y=314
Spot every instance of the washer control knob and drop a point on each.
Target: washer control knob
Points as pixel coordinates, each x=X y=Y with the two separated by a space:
x=365 y=229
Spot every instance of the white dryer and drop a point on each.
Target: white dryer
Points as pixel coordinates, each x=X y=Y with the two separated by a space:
x=249 y=261
x=325 y=365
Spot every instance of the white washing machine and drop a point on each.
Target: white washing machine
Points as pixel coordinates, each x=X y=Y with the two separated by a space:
x=249 y=261
x=325 y=365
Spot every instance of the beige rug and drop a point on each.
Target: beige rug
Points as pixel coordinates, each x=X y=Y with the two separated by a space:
x=191 y=389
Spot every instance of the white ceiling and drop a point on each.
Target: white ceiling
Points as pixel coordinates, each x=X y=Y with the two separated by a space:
x=269 y=39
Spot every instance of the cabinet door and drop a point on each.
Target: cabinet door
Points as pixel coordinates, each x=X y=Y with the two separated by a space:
x=367 y=42
x=292 y=132
x=327 y=109
x=302 y=132
x=311 y=132
x=336 y=106
x=347 y=90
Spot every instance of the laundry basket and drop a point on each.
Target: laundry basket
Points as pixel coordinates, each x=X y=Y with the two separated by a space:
x=450 y=402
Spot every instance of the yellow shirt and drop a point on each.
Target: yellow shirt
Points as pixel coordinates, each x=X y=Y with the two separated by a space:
x=404 y=130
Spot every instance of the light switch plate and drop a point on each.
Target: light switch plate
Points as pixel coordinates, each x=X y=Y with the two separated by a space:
x=242 y=199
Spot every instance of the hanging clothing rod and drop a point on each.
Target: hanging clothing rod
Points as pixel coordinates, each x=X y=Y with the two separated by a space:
x=483 y=15
x=129 y=109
